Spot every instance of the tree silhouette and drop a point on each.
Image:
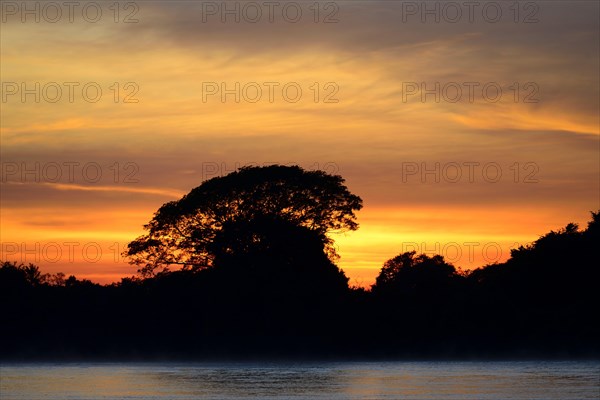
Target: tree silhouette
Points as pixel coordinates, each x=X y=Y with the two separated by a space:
x=273 y=291
x=272 y=252
x=194 y=230
x=408 y=273
x=13 y=274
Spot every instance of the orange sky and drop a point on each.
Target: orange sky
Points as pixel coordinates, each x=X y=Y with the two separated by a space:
x=446 y=170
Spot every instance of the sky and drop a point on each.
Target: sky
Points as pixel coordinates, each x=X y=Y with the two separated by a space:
x=468 y=129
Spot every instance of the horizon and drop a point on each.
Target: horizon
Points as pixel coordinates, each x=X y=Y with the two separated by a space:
x=418 y=247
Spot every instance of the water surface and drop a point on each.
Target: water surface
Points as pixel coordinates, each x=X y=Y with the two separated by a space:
x=343 y=380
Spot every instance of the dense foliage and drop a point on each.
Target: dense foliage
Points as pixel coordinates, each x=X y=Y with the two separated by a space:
x=196 y=229
x=541 y=302
x=270 y=288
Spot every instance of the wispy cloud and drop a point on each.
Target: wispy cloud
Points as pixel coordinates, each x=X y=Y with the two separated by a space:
x=172 y=193
x=123 y=189
x=171 y=134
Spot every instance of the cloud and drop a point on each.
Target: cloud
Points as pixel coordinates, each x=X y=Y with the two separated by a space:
x=175 y=139
x=112 y=189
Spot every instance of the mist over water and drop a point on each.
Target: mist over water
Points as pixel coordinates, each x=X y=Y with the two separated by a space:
x=317 y=380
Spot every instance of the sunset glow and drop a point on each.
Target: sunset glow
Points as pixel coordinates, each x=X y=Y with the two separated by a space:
x=102 y=123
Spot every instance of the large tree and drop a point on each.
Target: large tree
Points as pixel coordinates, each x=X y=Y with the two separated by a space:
x=193 y=230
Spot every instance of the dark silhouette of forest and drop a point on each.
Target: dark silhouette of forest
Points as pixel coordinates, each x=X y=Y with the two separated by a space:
x=242 y=266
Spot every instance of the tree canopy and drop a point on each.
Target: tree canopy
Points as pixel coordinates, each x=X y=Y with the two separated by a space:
x=409 y=272
x=272 y=291
x=195 y=229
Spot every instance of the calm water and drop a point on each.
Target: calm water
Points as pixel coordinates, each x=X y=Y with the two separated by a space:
x=354 y=380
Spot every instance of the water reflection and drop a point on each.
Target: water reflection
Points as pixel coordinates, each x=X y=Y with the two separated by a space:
x=360 y=380
x=251 y=381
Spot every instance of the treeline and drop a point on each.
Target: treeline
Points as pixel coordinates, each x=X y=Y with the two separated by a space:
x=542 y=302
